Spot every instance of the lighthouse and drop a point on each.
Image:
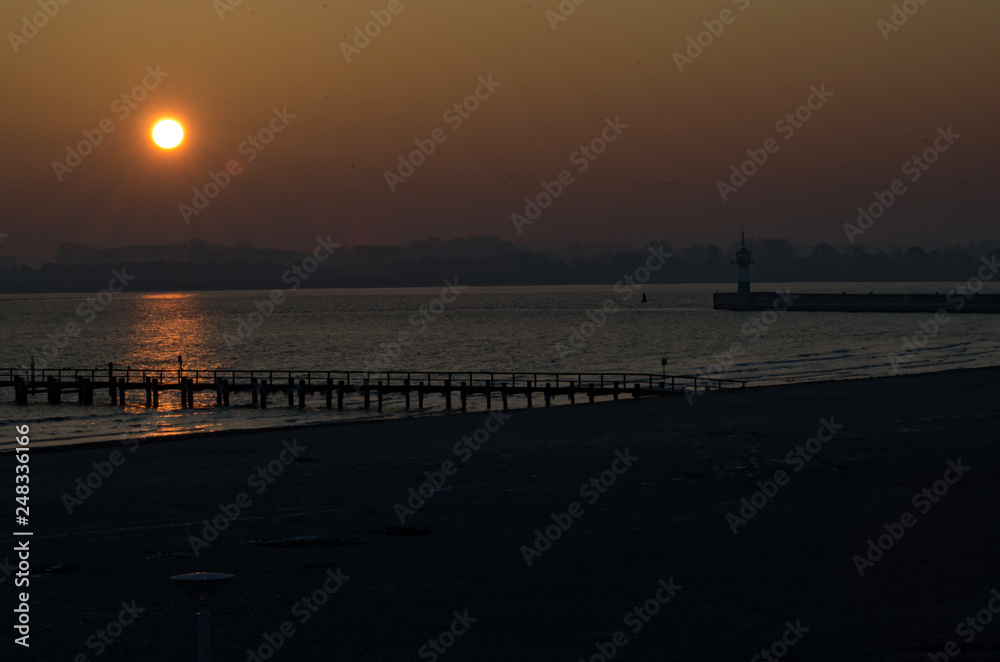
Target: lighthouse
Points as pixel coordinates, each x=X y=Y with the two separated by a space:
x=743 y=261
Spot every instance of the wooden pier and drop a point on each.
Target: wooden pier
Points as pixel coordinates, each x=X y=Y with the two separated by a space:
x=118 y=386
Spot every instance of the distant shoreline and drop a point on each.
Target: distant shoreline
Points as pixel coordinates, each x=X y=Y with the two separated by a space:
x=725 y=286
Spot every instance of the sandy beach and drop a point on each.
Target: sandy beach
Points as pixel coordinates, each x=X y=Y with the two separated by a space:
x=654 y=532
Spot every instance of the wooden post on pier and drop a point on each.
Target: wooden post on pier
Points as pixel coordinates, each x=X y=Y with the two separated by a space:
x=420 y=396
x=635 y=391
x=329 y=392
x=121 y=391
x=55 y=395
x=572 y=395
x=503 y=395
x=340 y=394
x=463 y=395
x=263 y=394
x=225 y=392
x=291 y=392
x=368 y=397
x=528 y=390
x=302 y=394
x=253 y=391
x=111 y=384
x=447 y=394
x=406 y=392
x=548 y=394
x=590 y=392
x=156 y=391
x=20 y=390
x=615 y=393
x=182 y=385
x=489 y=395
x=378 y=393
x=218 y=392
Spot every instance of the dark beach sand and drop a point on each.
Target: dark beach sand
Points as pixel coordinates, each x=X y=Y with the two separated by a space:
x=664 y=517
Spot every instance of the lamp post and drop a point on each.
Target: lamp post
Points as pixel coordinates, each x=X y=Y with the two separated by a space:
x=201 y=586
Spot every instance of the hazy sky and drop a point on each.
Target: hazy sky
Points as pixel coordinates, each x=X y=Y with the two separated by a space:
x=325 y=171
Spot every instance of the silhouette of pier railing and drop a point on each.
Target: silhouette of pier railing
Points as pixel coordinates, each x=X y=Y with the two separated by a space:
x=336 y=386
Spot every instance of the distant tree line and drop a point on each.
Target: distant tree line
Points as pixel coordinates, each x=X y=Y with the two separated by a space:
x=479 y=260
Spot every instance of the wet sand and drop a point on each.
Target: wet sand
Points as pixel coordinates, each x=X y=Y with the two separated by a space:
x=665 y=516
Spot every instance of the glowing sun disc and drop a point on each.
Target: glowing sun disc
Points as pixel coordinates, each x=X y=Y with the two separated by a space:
x=168 y=134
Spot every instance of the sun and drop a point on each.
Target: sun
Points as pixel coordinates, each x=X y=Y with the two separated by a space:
x=168 y=134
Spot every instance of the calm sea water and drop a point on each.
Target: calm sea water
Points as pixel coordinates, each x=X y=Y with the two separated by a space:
x=483 y=329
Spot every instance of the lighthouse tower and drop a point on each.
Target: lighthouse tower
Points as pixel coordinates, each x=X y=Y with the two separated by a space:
x=743 y=261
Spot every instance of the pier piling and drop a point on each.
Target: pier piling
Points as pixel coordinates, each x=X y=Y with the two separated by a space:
x=20 y=391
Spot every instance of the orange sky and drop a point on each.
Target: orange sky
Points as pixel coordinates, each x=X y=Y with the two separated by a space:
x=325 y=172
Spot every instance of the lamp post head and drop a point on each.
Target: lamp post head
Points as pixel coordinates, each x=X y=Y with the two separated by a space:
x=202 y=585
